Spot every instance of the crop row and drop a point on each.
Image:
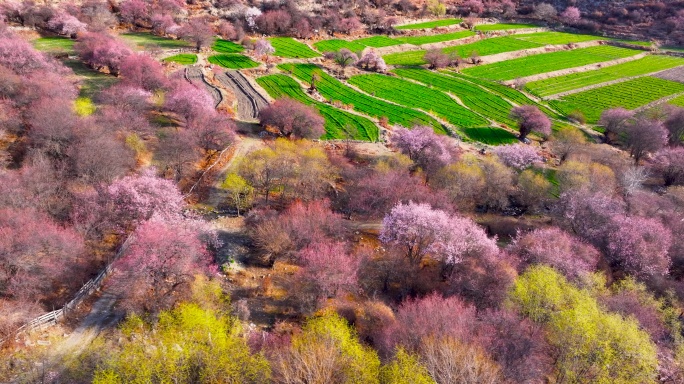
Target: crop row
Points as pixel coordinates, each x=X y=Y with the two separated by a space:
x=378 y=41
x=226 y=46
x=291 y=48
x=232 y=61
x=491 y=135
x=336 y=121
x=503 y=27
x=182 y=58
x=548 y=62
x=420 y=40
x=482 y=47
x=334 y=90
x=557 y=38
x=334 y=45
x=648 y=64
x=419 y=96
x=629 y=94
x=430 y=24
x=474 y=97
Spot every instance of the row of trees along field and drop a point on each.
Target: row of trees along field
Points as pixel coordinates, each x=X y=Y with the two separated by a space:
x=497 y=267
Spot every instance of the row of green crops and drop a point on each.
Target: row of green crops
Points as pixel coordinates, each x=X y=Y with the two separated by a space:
x=648 y=64
x=629 y=94
x=291 y=48
x=490 y=135
x=483 y=47
x=183 y=58
x=226 y=46
x=334 y=45
x=508 y=93
x=557 y=38
x=334 y=90
x=232 y=61
x=472 y=96
x=503 y=27
x=410 y=94
x=377 y=41
x=338 y=123
x=430 y=24
x=549 y=62
x=420 y=40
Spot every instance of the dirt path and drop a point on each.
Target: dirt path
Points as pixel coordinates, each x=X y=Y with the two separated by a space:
x=217 y=195
x=250 y=101
x=194 y=75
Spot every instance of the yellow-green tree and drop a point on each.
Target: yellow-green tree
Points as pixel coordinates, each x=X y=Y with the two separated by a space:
x=239 y=191
x=592 y=345
x=189 y=344
x=405 y=368
x=327 y=351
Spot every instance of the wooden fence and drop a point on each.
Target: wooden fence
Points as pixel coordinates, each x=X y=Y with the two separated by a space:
x=51 y=318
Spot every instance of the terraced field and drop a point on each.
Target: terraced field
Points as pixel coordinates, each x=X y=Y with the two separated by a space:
x=430 y=24
x=474 y=97
x=413 y=95
x=378 y=41
x=648 y=64
x=183 y=58
x=629 y=94
x=291 y=48
x=549 y=62
x=482 y=47
x=333 y=89
x=336 y=121
x=226 y=46
x=420 y=40
x=491 y=135
x=503 y=27
x=232 y=61
x=334 y=45
x=556 y=38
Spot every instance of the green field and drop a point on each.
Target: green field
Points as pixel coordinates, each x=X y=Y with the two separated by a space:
x=336 y=121
x=629 y=94
x=474 y=97
x=227 y=46
x=144 y=40
x=430 y=24
x=510 y=94
x=54 y=44
x=334 y=90
x=420 y=40
x=291 y=48
x=183 y=58
x=556 y=38
x=491 y=135
x=334 y=45
x=678 y=101
x=648 y=64
x=635 y=42
x=378 y=41
x=483 y=47
x=549 y=62
x=232 y=61
x=503 y=27
x=91 y=81
x=414 y=95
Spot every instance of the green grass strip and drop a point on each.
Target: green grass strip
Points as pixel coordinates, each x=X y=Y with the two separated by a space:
x=420 y=40
x=334 y=45
x=227 y=46
x=378 y=41
x=503 y=27
x=491 y=135
x=54 y=44
x=144 y=40
x=557 y=38
x=183 y=58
